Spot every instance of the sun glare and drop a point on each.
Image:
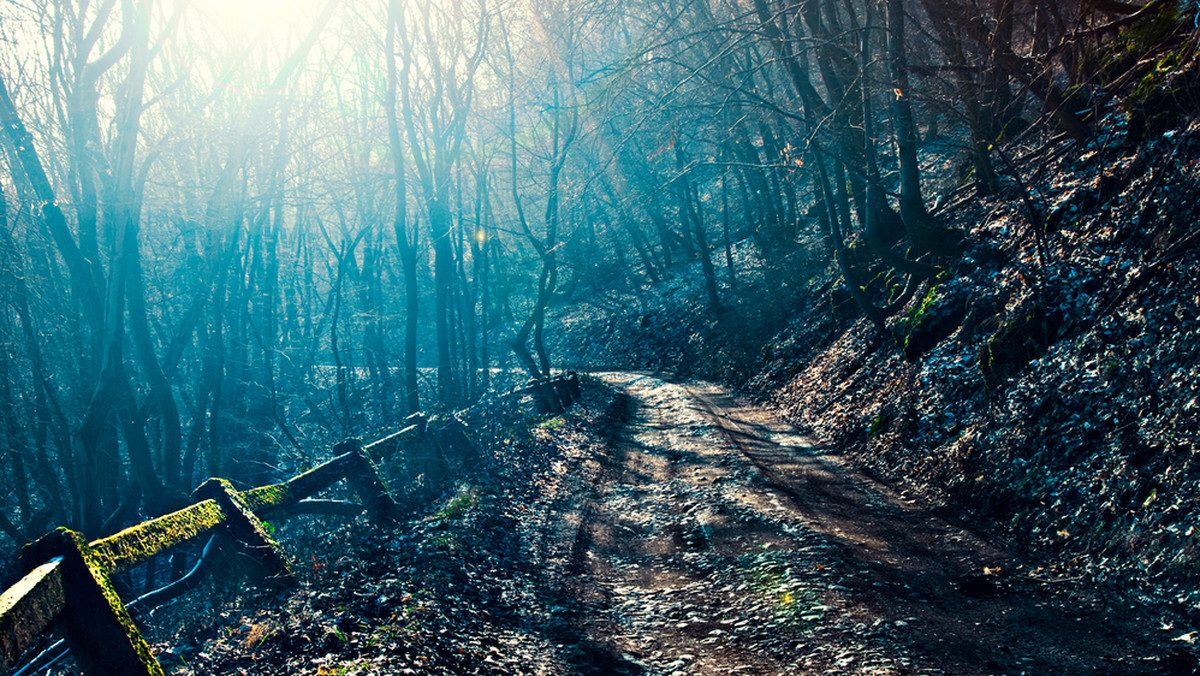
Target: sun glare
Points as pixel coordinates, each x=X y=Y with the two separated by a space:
x=251 y=21
x=240 y=45
x=247 y=16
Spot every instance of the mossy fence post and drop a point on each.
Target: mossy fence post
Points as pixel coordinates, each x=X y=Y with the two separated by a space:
x=69 y=580
x=543 y=397
x=99 y=630
x=270 y=567
x=573 y=387
x=366 y=481
x=27 y=607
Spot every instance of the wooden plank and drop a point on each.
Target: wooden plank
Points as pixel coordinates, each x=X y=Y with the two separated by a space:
x=267 y=499
x=244 y=525
x=377 y=451
x=27 y=608
x=98 y=628
x=136 y=544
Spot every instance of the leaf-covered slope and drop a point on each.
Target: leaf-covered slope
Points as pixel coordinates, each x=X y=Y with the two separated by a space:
x=1045 y=388
x=1061 y=404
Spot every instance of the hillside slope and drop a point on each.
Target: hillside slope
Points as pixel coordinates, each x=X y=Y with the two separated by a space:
x=1045 y=388
x=1054 y=402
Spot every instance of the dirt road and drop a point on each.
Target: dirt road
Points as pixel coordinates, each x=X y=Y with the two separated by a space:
x=667 y=529
x=710 y=538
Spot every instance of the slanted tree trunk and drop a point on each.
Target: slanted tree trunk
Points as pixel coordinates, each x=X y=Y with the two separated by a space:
x=981 y=138
x=1027 y=71
x=877 y=230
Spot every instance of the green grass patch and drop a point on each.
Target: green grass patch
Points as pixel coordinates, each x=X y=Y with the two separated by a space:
x=458 y=506
x=796 y=606
x=553 y=424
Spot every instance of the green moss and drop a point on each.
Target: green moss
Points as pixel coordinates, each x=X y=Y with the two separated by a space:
x=1155 y=105
x=553 y=424
x=138 y=543
x=1151 y=53
x=264 y=497
x=927 y=322
x=1144 y=35
x=100 y=632
x=1020 y=340
x=879 y=424
x=918 y=312
x=1152 y=80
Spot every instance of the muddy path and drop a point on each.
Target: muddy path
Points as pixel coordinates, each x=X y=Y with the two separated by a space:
x=710 y=538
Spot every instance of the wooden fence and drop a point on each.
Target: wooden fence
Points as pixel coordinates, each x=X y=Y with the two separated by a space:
x=69 y=580
x=552 y=395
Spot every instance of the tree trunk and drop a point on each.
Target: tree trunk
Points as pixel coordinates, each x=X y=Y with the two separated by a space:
x=725 y=216
x=689 y=211
x=443 y=272
x=406 y=239
x=878 y=233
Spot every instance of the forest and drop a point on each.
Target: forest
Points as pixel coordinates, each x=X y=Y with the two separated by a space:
x=952 y=241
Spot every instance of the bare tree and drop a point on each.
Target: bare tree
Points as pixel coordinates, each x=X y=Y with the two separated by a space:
x=442 y=50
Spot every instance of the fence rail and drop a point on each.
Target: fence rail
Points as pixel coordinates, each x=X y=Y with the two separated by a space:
x=552 y=395
x=69 y=580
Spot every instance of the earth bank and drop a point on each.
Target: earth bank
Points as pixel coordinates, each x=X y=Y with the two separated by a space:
x=1045 y=390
